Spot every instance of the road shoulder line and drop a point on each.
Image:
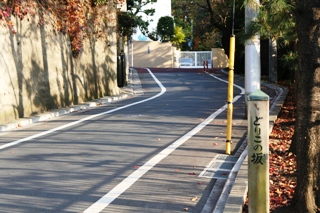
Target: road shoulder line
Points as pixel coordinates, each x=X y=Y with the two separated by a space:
x=132 y=89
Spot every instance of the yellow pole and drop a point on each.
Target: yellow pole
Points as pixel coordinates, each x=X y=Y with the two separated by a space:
x=230 y=95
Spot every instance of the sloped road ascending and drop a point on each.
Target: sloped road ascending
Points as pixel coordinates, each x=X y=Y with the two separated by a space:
x=142 y=154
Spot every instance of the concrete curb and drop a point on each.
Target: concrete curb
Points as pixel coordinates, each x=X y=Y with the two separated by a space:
x=132 y=89
x=237 y=196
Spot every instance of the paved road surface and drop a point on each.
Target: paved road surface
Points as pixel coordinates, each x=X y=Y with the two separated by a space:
x=142 y=154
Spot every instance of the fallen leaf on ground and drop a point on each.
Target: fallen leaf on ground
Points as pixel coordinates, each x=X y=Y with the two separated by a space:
x=194 y=198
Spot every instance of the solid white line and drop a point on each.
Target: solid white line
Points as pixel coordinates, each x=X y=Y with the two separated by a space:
x=163 y=90
x=103 y=202
x=242 y=89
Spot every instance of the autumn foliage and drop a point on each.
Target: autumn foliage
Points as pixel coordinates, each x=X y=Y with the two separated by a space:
x=79 y=19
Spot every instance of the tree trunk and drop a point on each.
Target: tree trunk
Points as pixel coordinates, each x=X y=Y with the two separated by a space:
x=273 y=55
x=308 y=107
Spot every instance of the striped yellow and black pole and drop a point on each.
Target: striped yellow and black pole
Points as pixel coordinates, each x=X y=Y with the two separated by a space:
x=230 y=94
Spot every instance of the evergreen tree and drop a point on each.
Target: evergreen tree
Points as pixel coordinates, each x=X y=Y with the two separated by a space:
x=165 y=28
x=275 y=23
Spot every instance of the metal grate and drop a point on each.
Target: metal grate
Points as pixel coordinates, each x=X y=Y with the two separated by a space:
x=219 y=167
x=217 y=174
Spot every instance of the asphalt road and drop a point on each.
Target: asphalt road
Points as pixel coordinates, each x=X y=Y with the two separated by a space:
x=142 y=154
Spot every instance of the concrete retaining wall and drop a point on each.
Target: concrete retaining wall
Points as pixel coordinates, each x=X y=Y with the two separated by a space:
x=38 y=72
x=151 y=54
x=219 y=58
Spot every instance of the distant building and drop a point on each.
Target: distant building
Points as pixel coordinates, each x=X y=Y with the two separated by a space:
x=163 y=8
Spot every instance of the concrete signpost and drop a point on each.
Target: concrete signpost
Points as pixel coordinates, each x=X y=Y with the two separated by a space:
x=258 y=152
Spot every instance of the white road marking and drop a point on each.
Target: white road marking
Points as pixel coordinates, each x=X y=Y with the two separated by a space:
x=163 y=90
x=104 y=201
x=242 y=89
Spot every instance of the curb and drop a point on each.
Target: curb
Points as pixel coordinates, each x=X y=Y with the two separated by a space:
x=132 y=89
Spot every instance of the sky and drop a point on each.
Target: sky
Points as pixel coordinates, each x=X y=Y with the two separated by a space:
x=163 y=8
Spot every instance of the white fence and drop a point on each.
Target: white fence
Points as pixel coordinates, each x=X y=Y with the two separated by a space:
x=194 y=59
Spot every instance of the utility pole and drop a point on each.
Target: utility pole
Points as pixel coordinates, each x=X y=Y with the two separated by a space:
x=252 y=51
